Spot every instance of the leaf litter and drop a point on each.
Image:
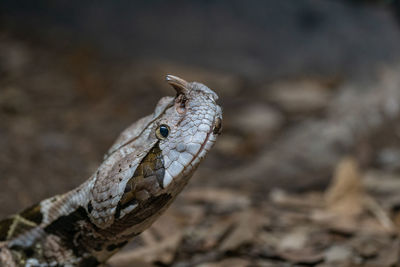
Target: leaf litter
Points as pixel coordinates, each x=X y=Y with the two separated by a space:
x=349 y=224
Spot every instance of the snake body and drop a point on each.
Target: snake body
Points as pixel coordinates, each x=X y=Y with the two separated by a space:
x=142 y=173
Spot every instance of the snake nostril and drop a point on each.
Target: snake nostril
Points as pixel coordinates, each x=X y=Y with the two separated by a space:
x=217 y=126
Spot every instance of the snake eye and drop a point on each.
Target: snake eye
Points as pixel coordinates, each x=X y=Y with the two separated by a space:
x=162 y=131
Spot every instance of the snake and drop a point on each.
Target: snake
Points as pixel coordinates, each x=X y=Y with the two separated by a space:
x=141 y=174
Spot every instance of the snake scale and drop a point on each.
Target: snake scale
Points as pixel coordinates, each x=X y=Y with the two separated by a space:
x=142 y=173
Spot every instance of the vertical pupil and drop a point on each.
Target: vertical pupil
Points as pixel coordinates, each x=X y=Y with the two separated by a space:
x=164 y=131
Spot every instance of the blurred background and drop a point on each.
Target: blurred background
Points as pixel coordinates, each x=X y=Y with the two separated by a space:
x=306 y=172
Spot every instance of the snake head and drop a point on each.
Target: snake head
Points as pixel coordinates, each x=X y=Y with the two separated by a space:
x=193 y=122
x=156 y=155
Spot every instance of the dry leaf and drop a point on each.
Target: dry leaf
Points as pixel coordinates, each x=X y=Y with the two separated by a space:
x=244 y=232
x=237 y=262
x=294 y=240
x=345 y=194
x=162 y=251
x=222 y=199
x=302 y=256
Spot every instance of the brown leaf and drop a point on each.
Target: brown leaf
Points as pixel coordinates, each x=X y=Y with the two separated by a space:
x=245 y=230
x=338 y=254
x=389 y=255
x=223 y=200
x=237 y=262
x=345 y=194
x=302 y=256
x=162 y=251
x=294 y=240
